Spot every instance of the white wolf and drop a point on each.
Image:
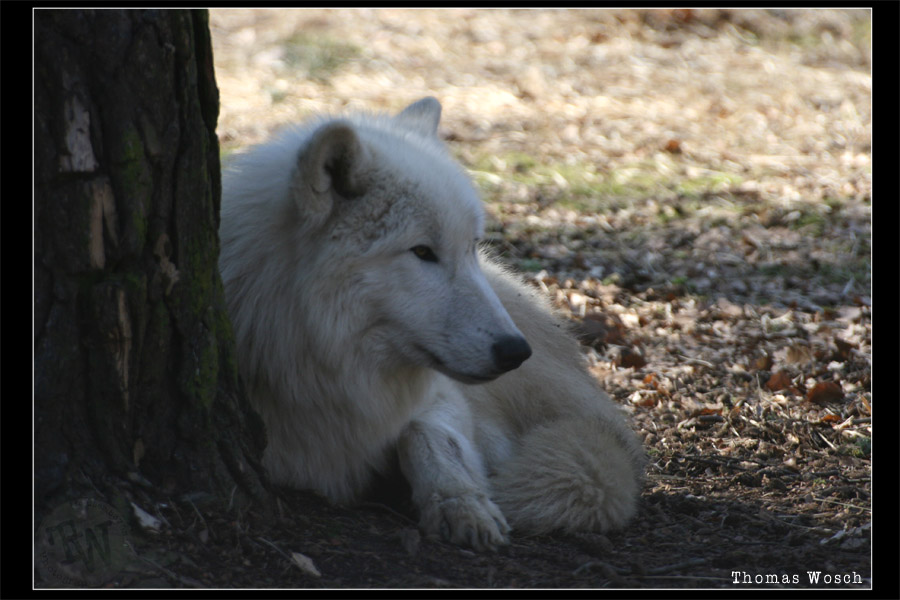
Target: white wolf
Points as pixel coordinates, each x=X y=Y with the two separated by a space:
x=364 y=313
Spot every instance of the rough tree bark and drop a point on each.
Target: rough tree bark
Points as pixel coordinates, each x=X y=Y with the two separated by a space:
x=134 y=357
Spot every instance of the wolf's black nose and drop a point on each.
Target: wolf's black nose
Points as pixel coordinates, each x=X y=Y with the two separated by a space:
x=510 y=352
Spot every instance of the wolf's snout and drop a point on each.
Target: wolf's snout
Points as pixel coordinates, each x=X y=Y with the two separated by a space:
x=510 y=352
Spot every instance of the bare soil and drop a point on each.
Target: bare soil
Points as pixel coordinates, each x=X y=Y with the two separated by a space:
x=693 y=188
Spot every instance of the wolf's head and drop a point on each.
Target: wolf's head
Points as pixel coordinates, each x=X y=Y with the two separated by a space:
x=390 y=230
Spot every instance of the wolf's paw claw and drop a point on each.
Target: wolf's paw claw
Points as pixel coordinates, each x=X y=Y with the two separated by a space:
x=469 y=520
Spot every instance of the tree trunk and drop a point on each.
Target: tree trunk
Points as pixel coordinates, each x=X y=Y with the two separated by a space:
x=135 y=370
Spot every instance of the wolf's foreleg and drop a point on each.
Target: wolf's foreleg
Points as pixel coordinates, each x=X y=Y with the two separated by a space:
x=447 y=476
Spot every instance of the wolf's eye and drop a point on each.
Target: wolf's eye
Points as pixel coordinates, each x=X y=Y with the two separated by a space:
x=424 y=253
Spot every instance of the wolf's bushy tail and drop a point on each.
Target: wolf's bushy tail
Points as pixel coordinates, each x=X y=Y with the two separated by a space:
x=572 y=475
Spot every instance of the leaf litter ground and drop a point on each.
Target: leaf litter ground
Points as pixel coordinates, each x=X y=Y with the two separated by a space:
x=693 y=189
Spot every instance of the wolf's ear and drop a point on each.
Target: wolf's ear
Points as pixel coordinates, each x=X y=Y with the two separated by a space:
x=422 y=115
x=328 y=168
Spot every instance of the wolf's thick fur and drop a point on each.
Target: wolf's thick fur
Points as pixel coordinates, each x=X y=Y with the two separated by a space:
x=368 y=323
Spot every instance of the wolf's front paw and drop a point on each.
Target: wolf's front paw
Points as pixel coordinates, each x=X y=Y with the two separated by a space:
x=468 y=520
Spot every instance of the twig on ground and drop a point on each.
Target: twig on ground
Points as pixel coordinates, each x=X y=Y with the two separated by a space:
x=693 y=562
x=387 y=508
x=695 y=361
x=189 y=581
x=277 y=549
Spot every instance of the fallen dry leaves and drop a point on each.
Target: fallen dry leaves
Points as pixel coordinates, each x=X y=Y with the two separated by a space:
x=825 y=392
x=692 y=189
